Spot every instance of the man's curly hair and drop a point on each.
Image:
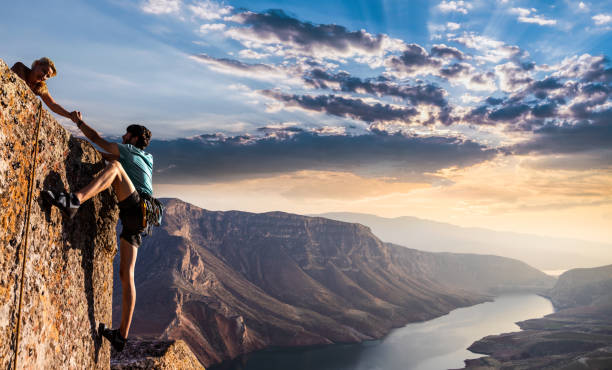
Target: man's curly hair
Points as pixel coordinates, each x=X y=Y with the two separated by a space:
x=143 y=134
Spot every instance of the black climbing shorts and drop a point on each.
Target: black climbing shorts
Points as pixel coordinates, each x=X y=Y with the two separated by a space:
x=130 y=213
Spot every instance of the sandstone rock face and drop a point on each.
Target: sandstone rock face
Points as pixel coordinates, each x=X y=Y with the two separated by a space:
x=232 y=282
x=155 y=354
x=68 y=270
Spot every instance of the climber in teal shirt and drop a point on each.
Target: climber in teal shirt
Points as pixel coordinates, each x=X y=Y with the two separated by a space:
x=129 y=171
x=138 y=165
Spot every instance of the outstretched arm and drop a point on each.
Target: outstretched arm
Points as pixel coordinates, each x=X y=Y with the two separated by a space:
x=58 y=108
x=93 y=135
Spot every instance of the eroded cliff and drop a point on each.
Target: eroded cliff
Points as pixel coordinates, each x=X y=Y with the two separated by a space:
x=68 y=271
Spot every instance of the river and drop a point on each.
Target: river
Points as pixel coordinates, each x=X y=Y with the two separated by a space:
x=435 y=344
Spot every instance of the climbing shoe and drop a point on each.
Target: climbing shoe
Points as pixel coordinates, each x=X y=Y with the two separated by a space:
x=113 y=336
x=66 y=202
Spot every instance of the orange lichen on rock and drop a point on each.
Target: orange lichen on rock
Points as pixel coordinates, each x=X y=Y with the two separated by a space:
x=68 y=270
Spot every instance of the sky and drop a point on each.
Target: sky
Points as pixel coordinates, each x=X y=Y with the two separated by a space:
x=494 y=114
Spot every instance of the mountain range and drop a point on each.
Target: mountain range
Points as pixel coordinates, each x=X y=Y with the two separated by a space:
x=544 y=253
x=228 y=283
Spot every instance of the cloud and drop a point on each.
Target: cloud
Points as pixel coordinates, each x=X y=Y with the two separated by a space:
x=206 y=28
x=452 y=26
x=492 y=51
x=584 y=67
x=467 y=75
x=602 y=19
x=447 y=52
x=423 y=93
x=530 y=16
x=536 y=19
x=161 y=6
x=210 y=10
x=572 y=97
x=571 y=138
x=509 y=112
x=548 y=83
x=344 y=107
x=512 y=77
x=454 y=6
x=252 y=54
x=419 y=95
x=413 y=61
x=568 y=112
x=295 y=37
x=211 y=158
x=259 y=71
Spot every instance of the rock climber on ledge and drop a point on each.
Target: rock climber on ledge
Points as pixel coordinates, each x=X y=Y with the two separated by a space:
x=129 y=171
x=42 y=69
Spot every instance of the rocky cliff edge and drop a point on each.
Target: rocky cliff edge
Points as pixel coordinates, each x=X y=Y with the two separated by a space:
x=68 y=270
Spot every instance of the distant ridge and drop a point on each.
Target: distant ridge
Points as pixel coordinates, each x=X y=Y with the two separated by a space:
x=544 y=253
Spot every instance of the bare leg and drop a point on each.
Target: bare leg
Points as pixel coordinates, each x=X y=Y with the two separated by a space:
x=113 y=174
x=128 y=253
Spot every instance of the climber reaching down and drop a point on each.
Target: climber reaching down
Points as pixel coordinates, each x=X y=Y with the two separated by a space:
x=129 y=172
x=36 y=77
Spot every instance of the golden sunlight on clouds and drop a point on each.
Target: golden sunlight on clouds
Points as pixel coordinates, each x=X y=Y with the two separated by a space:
x=504 y=194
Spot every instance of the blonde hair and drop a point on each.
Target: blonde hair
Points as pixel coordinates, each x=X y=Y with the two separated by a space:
x=46 y=62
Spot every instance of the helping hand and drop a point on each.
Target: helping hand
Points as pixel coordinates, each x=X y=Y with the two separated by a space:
x=76 y=116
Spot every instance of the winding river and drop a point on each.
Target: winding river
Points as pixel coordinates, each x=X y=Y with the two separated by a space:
x=435 y=344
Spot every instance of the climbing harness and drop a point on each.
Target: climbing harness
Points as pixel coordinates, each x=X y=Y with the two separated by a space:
x=27 y=228
x=152 y=212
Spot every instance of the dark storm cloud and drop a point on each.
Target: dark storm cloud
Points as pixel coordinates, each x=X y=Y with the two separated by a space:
x=447 y=52
x=545 y=110
x=414 y=60
x=585 y=68
x=549 y=83
x=509 y=112
x=416 y=56
x=455 y=69
x=344 y=107
x=555 y=105
x=597 y=70
x=528 y=66
x=275 y=26
x=494 y=101
x=415 y=94
x=570 y=138
x=219 y=158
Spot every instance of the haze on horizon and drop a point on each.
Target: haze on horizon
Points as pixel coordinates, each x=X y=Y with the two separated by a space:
x=493 y=115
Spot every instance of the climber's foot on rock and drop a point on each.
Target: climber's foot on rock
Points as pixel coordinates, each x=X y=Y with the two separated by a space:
x=66 y=202
x=113 y=336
